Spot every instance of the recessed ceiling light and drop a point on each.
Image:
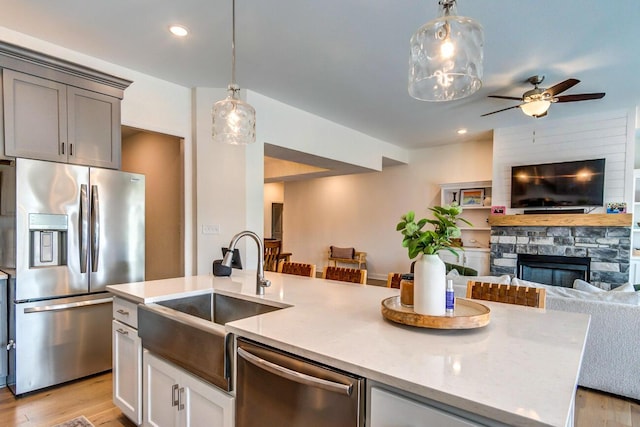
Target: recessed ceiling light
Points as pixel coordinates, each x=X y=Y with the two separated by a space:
x=462 y=131
x=179 y=30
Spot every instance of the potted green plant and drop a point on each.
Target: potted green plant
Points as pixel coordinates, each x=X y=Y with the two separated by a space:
x=429 y=270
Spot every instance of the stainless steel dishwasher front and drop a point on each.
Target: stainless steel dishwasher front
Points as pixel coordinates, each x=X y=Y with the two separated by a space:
x=275 y=388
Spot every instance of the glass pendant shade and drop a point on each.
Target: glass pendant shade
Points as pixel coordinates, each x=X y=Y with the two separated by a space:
x=535 y=108
x=446 y=57
x=234 y=121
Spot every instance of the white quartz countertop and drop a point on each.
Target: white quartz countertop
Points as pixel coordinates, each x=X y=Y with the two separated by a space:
x=521 y=369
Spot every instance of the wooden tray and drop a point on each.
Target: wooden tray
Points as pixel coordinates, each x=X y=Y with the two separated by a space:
x=466 y=315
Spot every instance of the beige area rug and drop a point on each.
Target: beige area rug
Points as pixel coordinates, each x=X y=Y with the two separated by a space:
x=80 y=421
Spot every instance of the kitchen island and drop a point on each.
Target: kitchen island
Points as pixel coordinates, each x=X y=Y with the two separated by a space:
x=520 y=369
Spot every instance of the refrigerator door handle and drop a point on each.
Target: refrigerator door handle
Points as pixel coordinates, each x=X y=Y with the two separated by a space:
x=58 y=307
x=95 y=228
x=84 y=227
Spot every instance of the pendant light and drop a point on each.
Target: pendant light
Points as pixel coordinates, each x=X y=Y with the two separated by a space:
x=234 y=121
x=446 y=57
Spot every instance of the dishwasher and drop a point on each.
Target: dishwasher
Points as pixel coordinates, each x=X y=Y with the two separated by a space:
x=275 y=388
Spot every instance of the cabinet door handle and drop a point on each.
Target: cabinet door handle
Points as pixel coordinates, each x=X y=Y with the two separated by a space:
x=122 y=331
x=174 y=395
x=71 y=149
x=123 y=312
x=180 y=399
x=62 y=147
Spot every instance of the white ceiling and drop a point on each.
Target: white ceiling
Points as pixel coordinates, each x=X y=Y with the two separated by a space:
x=346 y=60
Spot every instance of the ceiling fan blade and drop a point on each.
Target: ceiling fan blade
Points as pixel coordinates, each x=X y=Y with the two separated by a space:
x=579 y=97
x=505 y=97
x=562 y=86
x=499 y=111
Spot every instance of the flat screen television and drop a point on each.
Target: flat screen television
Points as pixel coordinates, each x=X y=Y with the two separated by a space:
x=565 y=184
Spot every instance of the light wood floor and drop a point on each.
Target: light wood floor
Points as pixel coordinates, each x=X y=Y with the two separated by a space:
x=92 y=398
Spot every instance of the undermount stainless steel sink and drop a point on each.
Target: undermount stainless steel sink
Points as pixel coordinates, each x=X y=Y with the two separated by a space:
x=190 y=332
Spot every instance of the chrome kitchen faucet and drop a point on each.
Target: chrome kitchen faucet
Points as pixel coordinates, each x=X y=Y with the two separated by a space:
x=261 y=282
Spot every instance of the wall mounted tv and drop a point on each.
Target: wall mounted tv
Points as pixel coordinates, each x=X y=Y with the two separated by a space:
x=555 y=185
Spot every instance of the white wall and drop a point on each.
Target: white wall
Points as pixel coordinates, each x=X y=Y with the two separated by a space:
x=607 y=135
x=222 y=186
x=362 y=210
x=149 y=103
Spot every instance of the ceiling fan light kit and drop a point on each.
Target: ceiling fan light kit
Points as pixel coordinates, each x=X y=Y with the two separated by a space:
x=446 y=57
x=233 y=120
x=536 y=108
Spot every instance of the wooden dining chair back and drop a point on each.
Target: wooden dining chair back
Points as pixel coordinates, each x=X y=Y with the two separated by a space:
x=343 y=274
x=510 y=294
x=271 y=254
x=297 y=268
x=393 y=280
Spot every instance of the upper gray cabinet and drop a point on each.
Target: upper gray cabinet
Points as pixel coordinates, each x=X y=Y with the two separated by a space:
x=58 y=111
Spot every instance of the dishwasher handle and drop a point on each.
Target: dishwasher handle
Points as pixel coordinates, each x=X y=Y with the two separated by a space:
x=298 y=377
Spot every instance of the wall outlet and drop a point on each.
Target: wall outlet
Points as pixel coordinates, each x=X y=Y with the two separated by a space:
x=211 y=229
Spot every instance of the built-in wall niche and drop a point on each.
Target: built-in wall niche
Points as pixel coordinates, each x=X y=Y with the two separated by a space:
x=475 y=199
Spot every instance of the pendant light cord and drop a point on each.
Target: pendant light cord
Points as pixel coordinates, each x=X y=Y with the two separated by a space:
x=233 y=42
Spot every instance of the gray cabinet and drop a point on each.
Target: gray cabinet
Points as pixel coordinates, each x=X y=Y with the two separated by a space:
x=47 y=120
x=390 y=407
x=59 y=111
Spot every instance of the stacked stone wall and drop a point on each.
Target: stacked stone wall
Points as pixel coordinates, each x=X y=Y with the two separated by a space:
x=608 y=247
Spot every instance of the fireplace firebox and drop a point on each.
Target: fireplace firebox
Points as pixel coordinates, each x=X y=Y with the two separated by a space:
x=552 y=269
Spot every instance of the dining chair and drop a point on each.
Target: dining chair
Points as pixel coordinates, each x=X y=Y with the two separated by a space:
x=297 y=268
x=343 y=274
x=510 y=294
x=271 y=254
x=393 y=280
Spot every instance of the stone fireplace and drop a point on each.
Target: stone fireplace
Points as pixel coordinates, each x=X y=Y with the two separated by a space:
x=604 y=241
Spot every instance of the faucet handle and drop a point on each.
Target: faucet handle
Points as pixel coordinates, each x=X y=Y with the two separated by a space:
x=265 y=283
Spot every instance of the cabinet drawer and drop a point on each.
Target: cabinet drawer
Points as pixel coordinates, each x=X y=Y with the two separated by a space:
x=125 y=311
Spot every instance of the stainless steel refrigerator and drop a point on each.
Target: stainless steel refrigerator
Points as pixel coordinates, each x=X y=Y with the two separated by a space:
x=76 y=230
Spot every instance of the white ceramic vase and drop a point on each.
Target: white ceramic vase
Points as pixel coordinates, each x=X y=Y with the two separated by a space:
x=429 y=286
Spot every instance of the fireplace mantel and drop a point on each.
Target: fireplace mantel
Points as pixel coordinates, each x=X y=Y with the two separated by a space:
x=561 y=220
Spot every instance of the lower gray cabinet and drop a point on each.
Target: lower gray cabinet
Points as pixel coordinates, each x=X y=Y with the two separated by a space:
x=390 y=409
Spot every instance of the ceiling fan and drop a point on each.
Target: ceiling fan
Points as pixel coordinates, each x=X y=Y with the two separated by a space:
x=536 y=102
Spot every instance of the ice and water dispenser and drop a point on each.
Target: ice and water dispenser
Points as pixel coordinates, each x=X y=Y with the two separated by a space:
x=48 y=241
